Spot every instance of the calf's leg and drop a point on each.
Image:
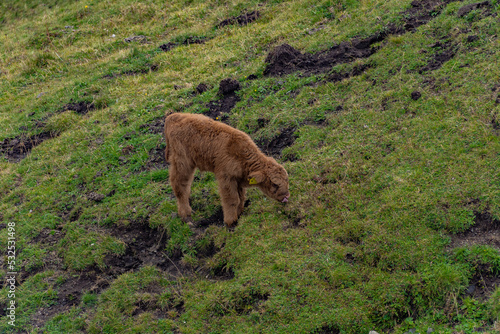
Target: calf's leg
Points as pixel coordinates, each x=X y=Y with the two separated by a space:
x=241 y=194
x=230 y=199
x=181 y=178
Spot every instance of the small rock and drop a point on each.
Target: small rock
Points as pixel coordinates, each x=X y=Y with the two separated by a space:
x=40 y=95
x=430 y=330
x=113 y=36
x=68 y=27
x=416 y=95
x=471 y=289
x=372 y=332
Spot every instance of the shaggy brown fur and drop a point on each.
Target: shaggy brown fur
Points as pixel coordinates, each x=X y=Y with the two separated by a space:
x=196 y=141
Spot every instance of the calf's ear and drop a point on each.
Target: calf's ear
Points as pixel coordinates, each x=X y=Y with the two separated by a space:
x=256 y=177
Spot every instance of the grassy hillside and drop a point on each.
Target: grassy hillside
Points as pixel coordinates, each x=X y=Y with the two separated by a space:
x=386 y=115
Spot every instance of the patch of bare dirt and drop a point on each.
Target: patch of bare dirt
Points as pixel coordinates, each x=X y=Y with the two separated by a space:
x=156 y=158
x=221 y=108
x=69 y=294
x=421 y=12
x=17 y=148
x=145 y=246
x=284 y=59
x=483 y=284
x=49 y=237
x=186 y=41
x=445 y=52
x=201 y=88
x=242 y=20
x=327 y=329
x=155 y=126
x=275 y=145
x=473 y=6
x=339 y=76
x=415 y=95
x=82 y=107
x=216 y=219
x=485 y=231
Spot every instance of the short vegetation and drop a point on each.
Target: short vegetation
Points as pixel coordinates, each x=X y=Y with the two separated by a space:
x=386 y=115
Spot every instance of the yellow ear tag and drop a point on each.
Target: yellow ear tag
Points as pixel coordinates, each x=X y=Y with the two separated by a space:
x=252 y=181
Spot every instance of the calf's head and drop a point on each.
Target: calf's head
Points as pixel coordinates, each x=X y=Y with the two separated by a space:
x=272 y=180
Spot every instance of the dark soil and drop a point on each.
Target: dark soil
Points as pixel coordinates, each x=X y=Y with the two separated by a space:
x=81 y=107
x=415 y=95
x=187 y=41
x=483 y=284
x=326 y=329
x=216 y=219
x=275 y=145
x=284 y=59
x=156 y=158
x=473 y=6
x=145 y=246
x=242 y=20
x=445 y=52
x=194 y=40
x=228 y=86
x=69 y=294
x=49 y=237
x=16 y=149
x=422 y=12
x=485 y=231
x=339 y=76
x=155 y=126
x=472 y=38
x=168 y=46
x=201 y=88
x=220 y=109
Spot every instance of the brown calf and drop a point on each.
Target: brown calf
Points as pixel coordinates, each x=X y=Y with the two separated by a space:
x=196 y=141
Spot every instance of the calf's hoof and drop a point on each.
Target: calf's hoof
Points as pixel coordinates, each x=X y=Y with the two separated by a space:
x=188 y=220
x=231 y=226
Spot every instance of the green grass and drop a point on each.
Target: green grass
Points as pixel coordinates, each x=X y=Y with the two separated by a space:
x=378 y=191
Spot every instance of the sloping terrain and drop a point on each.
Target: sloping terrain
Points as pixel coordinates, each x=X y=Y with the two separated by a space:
x=386 y=115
